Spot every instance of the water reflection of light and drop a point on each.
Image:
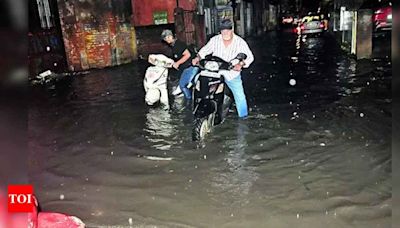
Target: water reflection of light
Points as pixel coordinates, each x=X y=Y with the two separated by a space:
x=346 y=74
x=298 y=42
x=236 y=182
x=158 y=124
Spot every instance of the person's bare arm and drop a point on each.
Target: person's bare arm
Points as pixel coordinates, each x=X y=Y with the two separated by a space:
x=185 y=57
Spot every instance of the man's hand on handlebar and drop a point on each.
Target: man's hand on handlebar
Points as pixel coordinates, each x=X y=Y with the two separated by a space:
x=239 y=66
x=195 y=61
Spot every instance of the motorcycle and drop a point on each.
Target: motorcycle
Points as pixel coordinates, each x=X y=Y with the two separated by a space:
x=155 y=80
x=211 y=97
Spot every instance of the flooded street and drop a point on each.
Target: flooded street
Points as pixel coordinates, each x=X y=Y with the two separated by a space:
x=315 y=151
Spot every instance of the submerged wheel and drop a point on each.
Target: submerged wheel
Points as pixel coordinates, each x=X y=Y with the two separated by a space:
x=200 y=129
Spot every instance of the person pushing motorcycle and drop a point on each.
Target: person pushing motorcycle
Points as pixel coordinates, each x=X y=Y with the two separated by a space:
x=182 y=56
x=227 y=46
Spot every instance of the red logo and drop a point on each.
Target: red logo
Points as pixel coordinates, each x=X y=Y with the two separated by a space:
x=20 y=198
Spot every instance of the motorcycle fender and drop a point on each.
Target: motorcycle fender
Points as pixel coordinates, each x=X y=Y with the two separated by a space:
x=204 y=109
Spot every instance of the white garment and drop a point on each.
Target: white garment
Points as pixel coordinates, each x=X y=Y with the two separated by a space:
x=217 y=48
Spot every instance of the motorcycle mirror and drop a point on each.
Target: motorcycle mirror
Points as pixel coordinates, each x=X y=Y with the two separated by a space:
x=241 y=56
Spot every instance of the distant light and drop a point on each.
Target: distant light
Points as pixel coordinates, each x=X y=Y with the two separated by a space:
x=47 y=48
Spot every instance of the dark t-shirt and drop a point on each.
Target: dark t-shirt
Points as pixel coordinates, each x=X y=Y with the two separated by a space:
x=177 y=52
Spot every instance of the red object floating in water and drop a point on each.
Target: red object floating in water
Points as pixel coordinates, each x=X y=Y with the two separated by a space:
x=57 y=220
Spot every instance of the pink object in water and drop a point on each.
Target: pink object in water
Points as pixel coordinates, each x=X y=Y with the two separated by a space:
x=57 y=220
x=35 y=219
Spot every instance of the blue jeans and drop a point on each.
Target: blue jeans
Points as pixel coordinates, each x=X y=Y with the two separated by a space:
x=236 y=87
x=186 y=77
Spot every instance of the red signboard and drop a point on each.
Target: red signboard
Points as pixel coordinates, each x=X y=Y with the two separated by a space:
x=143 y=10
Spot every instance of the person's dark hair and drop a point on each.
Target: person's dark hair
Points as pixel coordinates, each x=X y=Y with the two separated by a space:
x=165 y=33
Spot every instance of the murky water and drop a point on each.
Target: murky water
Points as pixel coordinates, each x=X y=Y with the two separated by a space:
x=316 y=153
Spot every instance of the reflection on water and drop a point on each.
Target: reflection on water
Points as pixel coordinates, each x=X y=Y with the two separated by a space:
x=236 y=180
x=159 y=125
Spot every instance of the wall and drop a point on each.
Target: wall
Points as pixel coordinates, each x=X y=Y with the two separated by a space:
x=344 y=30
x=97 y=33
x=265 y=16
x=147 y=31
x=45 y=45
x=144 y=9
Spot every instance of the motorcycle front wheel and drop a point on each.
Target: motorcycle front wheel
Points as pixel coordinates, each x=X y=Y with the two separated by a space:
x=200 y=129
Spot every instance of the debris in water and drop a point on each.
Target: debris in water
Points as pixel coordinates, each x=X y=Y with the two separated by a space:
x=298 y=215
x=322 y=144
x=154 y=158
x=292 y=82
x=361 y=114
x=205 y=157
x=231 y=215
x=112 y=152
x=130 y=220
x=62 y=197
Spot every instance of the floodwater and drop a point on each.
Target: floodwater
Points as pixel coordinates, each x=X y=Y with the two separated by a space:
x=315 y=151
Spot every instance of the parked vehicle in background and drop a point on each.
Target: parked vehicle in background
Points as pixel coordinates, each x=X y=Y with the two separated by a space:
x=383 y=18
x=311 y=24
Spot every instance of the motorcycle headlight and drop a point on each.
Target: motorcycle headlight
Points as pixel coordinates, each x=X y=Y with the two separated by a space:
x=212 y=66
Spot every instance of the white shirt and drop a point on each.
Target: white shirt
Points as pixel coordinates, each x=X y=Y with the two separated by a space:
x=217 y=48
